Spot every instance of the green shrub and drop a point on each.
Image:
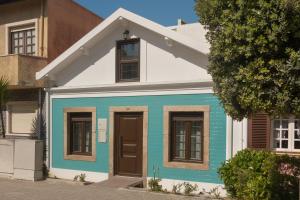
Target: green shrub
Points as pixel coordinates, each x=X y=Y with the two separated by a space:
x=261 y=175
x=153 y=183
x=215 y=193
x=177 y=188
x=189 y=188
x=80 y=178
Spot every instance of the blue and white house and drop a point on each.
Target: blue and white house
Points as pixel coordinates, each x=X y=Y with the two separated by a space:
x=133 y=95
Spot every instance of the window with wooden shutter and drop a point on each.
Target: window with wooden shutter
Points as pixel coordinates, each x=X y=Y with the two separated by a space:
x=259 y=129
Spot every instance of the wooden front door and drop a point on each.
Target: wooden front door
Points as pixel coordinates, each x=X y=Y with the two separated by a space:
x=128 y=144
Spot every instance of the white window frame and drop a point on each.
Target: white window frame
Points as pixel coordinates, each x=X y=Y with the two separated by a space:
x=18 y=26
x=291 y=129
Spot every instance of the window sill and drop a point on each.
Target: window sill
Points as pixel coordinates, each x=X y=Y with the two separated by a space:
x=128 y=81
x=290 y=153
x=80 y=158
x=20 y=134
x=187 y=165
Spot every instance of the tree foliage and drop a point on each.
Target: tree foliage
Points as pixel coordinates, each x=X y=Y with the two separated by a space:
x=254 y=59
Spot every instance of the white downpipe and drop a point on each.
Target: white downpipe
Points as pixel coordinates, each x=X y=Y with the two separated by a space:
x=40 y=114
x=47 y=96
x=229 y=137
x=245 y=133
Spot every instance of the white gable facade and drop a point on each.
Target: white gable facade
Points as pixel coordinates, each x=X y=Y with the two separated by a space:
x=167 y=118
x=157 y=61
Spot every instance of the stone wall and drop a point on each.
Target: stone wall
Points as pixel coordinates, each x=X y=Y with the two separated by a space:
x=21 y=159
x=6 y=156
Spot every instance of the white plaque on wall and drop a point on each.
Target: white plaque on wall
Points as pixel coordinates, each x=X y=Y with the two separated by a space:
x=102 y=127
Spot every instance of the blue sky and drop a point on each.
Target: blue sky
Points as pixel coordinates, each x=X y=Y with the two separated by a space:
x=165 y=12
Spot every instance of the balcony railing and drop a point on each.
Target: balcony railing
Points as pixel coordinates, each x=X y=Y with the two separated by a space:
x=20 y=69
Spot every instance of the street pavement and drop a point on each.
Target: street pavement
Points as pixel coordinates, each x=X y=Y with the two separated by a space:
x=63 y=190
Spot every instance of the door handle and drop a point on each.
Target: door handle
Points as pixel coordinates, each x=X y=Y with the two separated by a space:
x=121 y=146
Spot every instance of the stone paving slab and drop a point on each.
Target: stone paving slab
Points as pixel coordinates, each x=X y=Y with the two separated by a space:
x=60 y=190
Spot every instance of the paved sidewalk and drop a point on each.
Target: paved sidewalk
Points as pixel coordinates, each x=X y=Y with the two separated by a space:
x=60 y=190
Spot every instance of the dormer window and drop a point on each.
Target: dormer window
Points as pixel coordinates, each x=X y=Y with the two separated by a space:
x=128 y=60
x=23 y=41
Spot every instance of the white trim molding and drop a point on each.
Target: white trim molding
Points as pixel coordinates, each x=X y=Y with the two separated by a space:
x=47 y=120
x=196 y=84
x=229 y=137
x=134 y=89
x=70 y=174
x=236 y=136
x=169 y=183
x=50 y=130
x=129 y=94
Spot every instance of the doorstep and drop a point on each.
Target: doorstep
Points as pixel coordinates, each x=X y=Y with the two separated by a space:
x=121 y=182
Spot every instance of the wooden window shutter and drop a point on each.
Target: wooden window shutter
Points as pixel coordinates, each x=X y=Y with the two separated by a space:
x=259 y=130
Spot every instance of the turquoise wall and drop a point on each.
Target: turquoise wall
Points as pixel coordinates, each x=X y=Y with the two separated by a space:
x=155 y=133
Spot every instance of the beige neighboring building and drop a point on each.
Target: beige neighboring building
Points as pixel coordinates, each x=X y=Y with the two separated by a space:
x=32 y=34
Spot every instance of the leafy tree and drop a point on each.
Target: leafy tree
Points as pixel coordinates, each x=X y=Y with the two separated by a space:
x=3 y=100
x=254 y=59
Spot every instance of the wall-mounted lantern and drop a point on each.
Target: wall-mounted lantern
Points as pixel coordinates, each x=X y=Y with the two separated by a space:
x=126 y=34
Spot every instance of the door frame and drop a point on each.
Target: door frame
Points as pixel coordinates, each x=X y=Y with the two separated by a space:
x=139 y=143
x=128 y=109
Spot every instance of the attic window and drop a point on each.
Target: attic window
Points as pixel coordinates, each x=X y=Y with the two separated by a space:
x=128 y=60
